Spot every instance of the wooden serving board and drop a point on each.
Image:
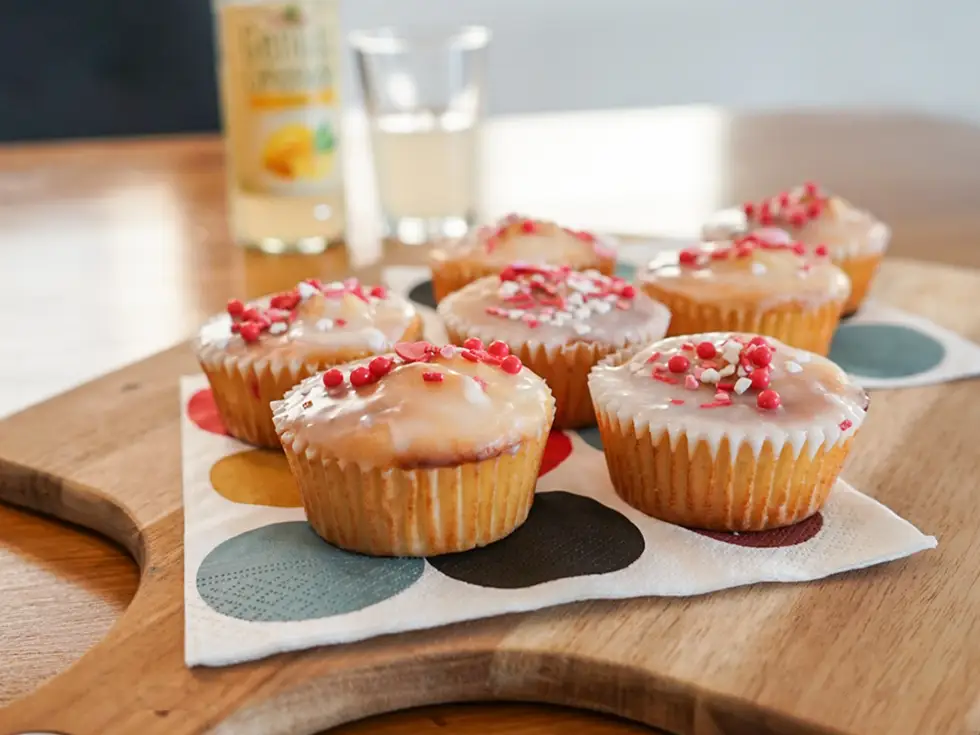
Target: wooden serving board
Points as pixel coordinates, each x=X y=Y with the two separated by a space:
x=893 y=649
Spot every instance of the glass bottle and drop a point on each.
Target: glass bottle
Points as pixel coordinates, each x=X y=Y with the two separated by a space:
x=279 y=70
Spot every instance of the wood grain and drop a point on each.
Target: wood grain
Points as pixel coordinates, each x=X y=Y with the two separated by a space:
x=147 y=218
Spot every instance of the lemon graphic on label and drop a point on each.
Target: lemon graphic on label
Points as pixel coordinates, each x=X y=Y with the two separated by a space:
x=295 y=152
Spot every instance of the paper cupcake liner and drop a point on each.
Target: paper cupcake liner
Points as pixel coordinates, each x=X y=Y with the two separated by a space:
x=861 y=269
x=243 y=386
x=808 y=328
x=417 y=512
x=565 y=368
x=732 y=489
x=449 y=276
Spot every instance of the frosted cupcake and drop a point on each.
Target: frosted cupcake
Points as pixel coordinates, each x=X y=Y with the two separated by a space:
x=767 y=286
x=428 y=450
x=256 y=352
x=488 y=250
x=854 y=238
x=725 y=431
x=559 y=322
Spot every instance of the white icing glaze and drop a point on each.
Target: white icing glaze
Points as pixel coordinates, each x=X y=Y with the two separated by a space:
x=476 y=411
x=516 y=238
x=820 y=405
x=846 y=230
x=554 y=306
x=334 y=320
x=762 y=278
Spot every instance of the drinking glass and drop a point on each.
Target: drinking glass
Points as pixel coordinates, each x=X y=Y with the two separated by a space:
x=424 y=97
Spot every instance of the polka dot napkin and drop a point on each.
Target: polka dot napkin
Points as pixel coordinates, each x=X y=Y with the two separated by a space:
x=258 y=581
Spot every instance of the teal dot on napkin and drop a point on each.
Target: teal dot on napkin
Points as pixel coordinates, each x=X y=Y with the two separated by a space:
x=885 y=350
x=625 y=271
x=285 y=572
x=591 y=437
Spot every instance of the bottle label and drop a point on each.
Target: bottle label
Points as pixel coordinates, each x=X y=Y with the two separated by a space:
x=280 y=77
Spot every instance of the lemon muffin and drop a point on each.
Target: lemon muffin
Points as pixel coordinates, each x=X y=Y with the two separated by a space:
x=559 y=322
x=427 y=450
x=767 y=285
x=855 y=239
x=488 y=250
x=723 y=431
x=255 y=352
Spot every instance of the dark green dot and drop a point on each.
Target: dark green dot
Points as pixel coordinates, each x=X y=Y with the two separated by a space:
x=625 y=270
x=422 y=294
x=565 y=535
x=285 y=572
x=885 y=350
x=591 y=437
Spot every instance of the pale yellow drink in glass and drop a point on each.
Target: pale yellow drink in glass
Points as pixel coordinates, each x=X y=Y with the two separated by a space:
x=279 y=72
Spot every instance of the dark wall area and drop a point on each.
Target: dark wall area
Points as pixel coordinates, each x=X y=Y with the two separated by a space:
x=86 y=68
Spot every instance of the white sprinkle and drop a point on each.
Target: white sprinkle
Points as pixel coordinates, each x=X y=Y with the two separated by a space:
x=611 y=298
x=515 y=314
x=793 y=367
x=277 y=328
x=730 y=351
x=726 y=371
x=601 y=307
x=710 y=376
x=575 y=299
x=334 y=286
x=447 y=352
x=582 y=312
x=508 y=289
x=305 y=290
x=742 y=371
x=325 y=325
x=758 y=269
x=742 y=385
x=473 y=392
x=802 y=358
x=581 y=328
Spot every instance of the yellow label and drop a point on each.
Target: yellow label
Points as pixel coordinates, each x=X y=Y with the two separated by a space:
x=279 y=75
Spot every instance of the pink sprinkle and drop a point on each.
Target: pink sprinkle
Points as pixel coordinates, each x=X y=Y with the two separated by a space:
x=687 y=346
x=653 y=357
x=677 y=401
x=691 y=382
x=447 y=352
x=722 y=397
x=698 y=372
x=845 y=425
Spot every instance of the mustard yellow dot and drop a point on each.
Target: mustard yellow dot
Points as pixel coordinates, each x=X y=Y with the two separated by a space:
x=256 y=477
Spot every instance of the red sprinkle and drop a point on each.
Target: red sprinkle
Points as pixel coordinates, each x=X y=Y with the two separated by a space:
x=361 y=376
x=339 y=322
x=413 y=351
x=688 y=257
x=758 y=341
x=528 y=226
x=498 y=349
x=379 y=292
x=473 y=344
x=720 y=253
x=653 y=358
x=811 y=188
x=760 y=378
x=511 y=364
x=845 y=424
x=250 y=331
x=251 y=314
x=688 y=346
x=814 y=209
x=706 y=350
x=235 y=307
x=380 y=366
x=628 y=292
x=761 y=356
x=332 y=378
x=470 y=355
x=678 y=364
x=665 y=379
x=677 y=401
x=768 y=400
x=432 y=376
x=799 y=248
x=821 y=251
x=749 y=209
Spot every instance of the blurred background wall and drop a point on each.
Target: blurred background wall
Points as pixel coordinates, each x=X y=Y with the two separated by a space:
x=118 y=67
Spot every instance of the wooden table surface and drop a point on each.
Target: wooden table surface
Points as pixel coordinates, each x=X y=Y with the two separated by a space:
x=114 y=250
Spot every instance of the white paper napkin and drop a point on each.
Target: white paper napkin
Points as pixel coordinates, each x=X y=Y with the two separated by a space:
x=258 y=581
